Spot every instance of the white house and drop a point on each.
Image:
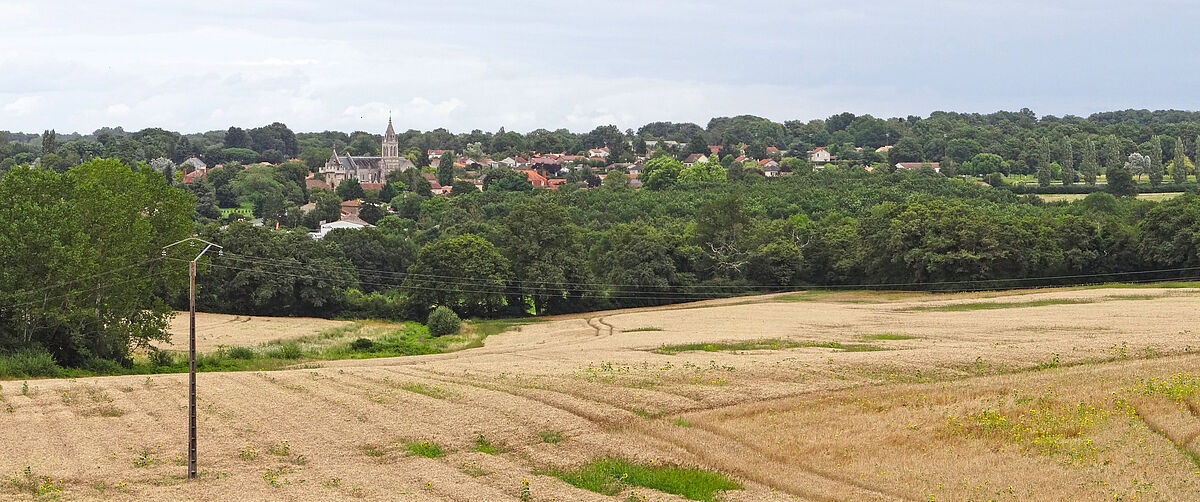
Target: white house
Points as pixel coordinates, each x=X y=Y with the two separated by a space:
x=348 y=223
x=598 y=152
x=819 y=156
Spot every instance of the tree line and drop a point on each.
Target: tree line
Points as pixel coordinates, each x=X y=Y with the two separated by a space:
x=1023 y=142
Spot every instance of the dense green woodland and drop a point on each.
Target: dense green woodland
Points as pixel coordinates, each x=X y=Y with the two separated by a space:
x=82 y=275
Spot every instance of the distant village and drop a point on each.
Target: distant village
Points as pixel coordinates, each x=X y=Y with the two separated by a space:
x=543 y=170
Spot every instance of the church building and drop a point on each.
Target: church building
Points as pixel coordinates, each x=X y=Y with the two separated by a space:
x=367 y=169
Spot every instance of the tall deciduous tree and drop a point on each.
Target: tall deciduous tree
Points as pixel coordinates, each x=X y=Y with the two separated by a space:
x=1112 y=153
x=1044 y=172
x=49 y=142
x=1179 y=164
x=77 y=275
x=465 y=273
x=1067 y=161
x=1156 y=161
x=1089 y=167
x=445 y=169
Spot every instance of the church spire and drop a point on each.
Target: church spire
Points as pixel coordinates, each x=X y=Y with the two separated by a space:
x=391 y=133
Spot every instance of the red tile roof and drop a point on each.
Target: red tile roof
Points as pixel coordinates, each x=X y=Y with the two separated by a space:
x=536 y=179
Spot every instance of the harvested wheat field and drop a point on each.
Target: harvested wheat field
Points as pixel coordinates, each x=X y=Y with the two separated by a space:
x=216 y=330
x=1072 y=394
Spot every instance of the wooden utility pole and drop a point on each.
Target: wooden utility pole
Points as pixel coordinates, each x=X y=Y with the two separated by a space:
x=192 y=348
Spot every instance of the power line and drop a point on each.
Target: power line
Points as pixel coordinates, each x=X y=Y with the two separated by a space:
x=76 y=292
x=93 y=276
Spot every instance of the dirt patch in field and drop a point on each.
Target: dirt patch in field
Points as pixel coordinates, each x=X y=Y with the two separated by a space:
x=213 y=330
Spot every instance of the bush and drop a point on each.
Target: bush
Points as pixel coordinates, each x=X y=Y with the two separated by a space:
x=159 y=357
x=362 y=344
x=443 y=321
x=29 y=363
x=240 y=353
x=286 y=351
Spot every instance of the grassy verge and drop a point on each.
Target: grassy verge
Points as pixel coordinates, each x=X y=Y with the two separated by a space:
x=888 y=336
x=764 y=344
x=767 y=344
x=968 y=307
x=361 y=340
x=611 y=475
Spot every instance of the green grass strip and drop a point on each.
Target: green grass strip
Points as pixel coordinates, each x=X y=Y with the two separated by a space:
x=610 y=475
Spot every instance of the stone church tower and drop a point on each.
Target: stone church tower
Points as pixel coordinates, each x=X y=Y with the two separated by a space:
x=391 y=150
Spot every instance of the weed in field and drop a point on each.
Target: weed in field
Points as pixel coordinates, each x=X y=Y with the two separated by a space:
x=248 y=453
x=25 y=389
x=472 y=469
x=610 y=475
x=143 y=459
x=679 y=422
x=425 y=449
x=371 y=450
x=483 y=445
x=332 y=483
x=550 y=436
x=1178 y=387
x=638 y=330
x=1052 y=363
x=38 y=486
x=969 y=307
x=427 y=390
x=280 y=449
x=526 y=493
x=277 y=477
x=1120 y=352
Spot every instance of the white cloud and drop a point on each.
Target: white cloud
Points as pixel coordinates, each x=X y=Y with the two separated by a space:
x=120 y=110
x=24 y=105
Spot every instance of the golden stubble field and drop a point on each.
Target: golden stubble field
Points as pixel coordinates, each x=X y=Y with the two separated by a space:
x=1085 y=394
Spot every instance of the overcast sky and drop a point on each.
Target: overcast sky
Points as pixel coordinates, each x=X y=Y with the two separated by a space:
x=525 y=64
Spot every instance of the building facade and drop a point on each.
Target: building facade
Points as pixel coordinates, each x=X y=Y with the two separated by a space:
x=340 y=168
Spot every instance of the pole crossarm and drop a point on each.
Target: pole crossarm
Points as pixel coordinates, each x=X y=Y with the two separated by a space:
x=192 y=346
x=208 y=245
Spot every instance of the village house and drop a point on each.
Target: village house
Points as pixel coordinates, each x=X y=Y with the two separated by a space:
x=535 y=178
x=347 y=223
x=769 y=167
x=820 y=155
x=695 y=158
x=602 y=153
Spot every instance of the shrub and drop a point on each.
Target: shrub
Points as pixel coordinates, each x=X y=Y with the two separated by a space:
x=443 y=321
x=29 y=363
x=159 y=357
x=240 y=353
x=362 y=344
x=286 y=351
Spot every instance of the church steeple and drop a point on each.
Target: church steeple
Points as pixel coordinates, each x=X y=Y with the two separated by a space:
x=391 y=149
